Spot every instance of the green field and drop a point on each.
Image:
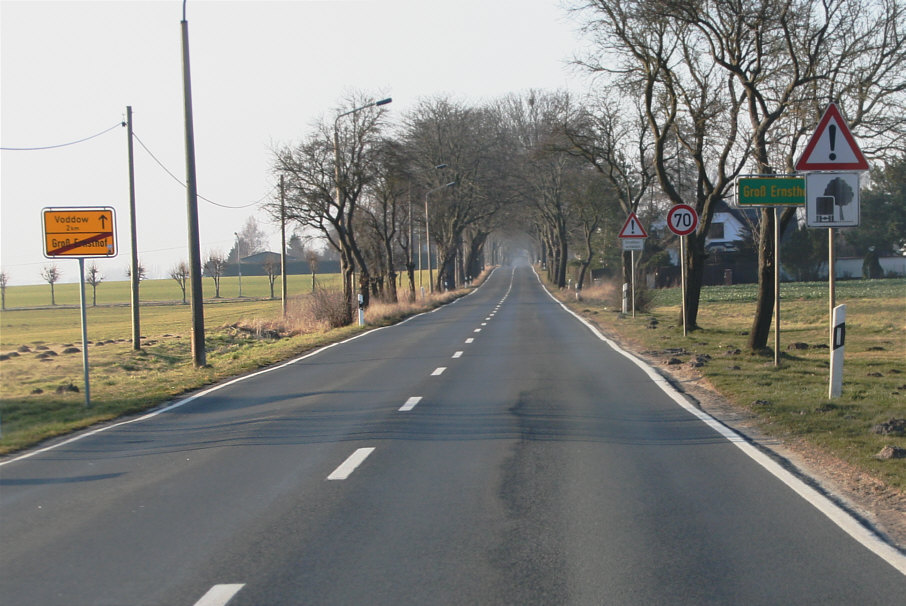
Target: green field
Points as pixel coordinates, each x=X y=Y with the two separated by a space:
x=112 y=293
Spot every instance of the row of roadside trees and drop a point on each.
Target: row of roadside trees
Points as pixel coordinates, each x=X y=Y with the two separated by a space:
x=686 y=97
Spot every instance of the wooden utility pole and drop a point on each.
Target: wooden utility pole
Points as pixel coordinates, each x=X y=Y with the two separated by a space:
x=198 y=347
x=135 y=277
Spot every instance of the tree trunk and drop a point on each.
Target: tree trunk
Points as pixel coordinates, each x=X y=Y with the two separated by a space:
x=695 y=273
x=392 y=294
x=365 y=284
x=476 y=252
x=583 y=269
x=347 y=269
x=764 y=306
x=445 y=270
x=460 y=277
x=626 y=266
x=563 y=254
x=410 y=270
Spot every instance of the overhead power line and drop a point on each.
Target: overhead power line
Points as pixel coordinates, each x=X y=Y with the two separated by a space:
x=118 y=124
x=183 y=184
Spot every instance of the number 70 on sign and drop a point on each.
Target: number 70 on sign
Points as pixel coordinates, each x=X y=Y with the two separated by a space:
x=682 y=219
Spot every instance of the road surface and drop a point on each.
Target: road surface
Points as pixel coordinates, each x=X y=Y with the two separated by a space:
x=495 y=451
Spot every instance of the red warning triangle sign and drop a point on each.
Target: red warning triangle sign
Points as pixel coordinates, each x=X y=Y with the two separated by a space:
x=633 y=228
x=832 y=146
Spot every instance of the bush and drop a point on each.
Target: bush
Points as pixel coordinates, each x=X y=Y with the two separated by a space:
x=318 y=311
x=607 y=293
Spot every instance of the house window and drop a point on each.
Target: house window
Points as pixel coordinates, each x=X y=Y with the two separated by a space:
x=716 y=232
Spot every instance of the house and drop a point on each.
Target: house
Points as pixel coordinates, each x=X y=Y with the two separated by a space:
x=727 y=262
x=729 y=227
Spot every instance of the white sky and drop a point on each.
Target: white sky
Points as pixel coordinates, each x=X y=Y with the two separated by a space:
x=262 y=74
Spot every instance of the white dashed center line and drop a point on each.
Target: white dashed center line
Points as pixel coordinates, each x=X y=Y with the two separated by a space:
x=438 y=371
x=457 y=354
x=477 y=330
x=410 y=403
x=219 y=595
x=470 y=340
x=349 y=465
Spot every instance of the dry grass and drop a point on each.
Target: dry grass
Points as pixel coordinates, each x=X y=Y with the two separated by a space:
x=35 y=403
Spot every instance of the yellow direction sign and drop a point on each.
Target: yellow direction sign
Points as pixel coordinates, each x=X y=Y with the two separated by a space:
x=79 y=232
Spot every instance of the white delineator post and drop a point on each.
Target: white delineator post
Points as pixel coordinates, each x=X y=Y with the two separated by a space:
x=838 y=338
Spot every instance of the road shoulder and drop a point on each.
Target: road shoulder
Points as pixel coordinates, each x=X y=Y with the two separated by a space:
x=881 y=507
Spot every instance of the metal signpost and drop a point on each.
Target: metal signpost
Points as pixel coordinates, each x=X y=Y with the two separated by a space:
x=633 y=238
x=832 y=160
x=80 y=232
x=682 y=220
x=760 y=191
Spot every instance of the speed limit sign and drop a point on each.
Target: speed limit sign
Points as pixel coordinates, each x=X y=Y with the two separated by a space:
x=682 y=219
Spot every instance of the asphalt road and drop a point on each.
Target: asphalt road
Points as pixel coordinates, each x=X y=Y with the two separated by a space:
x=495 y=451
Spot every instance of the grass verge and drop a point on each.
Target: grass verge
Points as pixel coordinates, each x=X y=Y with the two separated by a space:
x=42 y=391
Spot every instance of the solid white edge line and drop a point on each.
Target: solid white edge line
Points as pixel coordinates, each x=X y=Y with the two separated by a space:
x=219 y=595
x=438 y=371
x=831 y=510
x=349 y=465
x=410 y=403
x=192 y=398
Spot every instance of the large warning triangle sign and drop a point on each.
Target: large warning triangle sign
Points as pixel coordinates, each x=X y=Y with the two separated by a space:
x=832 y=146
x=633 y=228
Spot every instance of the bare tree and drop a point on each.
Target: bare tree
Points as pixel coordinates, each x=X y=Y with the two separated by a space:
x=272 y=270
x=692 y=110
x=94 y=277
x=385 y=208
x=313 y=267
x=180 y=273
x=51 y=274
x=315 y=197
x=612 y=134
x=252 y=240
x=214 y=266
x=536 y=124
x=142 y=272
x=792 y=57
x=469 y=142
x=4 y=280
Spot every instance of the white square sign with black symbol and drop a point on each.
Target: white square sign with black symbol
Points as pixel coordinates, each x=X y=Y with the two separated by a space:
x=832 y=199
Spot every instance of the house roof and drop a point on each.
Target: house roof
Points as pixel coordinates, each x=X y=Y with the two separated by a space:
x=746 y=216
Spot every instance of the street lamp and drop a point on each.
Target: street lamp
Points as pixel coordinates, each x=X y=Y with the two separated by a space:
x=336 y=139
x=239 y=260
x=428 y=230
x=347 y=288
